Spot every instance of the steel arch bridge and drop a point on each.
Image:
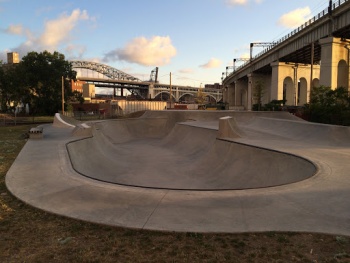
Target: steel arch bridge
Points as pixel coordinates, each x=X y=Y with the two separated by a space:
x=113 y=74
x=105 y=70
x=144 y=89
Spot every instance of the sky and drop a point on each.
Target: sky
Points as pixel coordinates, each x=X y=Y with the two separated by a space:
x=195 y=40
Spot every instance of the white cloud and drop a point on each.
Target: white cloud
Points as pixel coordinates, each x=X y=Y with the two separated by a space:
x=15 y=29
x=295 y=18
x=245 y=55
x=241 y=2
x=57 y=33
x=75 y=51
x=212 y=63
x=186 y=71
x=155 y=51
x=236 y=2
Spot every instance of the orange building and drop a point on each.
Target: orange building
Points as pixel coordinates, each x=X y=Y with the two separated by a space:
x=77 y=85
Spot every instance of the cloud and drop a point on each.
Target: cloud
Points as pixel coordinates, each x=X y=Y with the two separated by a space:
x=75 y=51
x=155 y=51
x=236 y=2
x=241 y=2
x=245 y=55
x=186 y=71
x=295 y=18
x=15 y=30
x=212 y=63
x=57 y=33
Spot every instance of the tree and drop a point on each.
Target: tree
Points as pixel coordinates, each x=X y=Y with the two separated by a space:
x=200 y=96
x=42 y=81
x=258 y=94
x=329 y=106
x=10 y=88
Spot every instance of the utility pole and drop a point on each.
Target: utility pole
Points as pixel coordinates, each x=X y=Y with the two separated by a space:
x=330 y=13
x=170 y=91
x=311 y=69
x=260 y=44
x=62 y=96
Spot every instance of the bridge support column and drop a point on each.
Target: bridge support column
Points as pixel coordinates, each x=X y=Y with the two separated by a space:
x=225 y=94
x=250 y=92
x=151 y=91
x=177 y=96
x=229 y=94
x=277 y=79
x=241 y=88
x=334 y=63
x=238 y=95
x=291 y=82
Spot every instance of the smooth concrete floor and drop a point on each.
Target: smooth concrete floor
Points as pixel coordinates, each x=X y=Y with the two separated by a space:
x=43 y=176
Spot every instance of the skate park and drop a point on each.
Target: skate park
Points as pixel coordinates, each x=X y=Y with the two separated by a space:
x=191 y=171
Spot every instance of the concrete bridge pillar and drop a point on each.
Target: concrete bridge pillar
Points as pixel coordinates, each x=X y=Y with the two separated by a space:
x=225 y=94
x=334 y=62
x=238 y=93
x=250 y=92
x=260 y=86
x=292 y=81
x=151 y=92
x=177 y=96
x=241 y=87
x=277 y=79
x=229 y=94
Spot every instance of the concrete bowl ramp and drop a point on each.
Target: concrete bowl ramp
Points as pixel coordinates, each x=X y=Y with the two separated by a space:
x=163 y=153
x=170 y=155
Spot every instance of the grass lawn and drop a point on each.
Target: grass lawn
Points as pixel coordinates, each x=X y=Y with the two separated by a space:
x=28 y=234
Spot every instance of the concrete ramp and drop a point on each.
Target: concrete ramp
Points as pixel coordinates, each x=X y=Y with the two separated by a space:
x=185 y=158
x=79 y=129
x=124 y=130
x=82 y=130
x=312 y=133
x=61 y=122
x=228 y=128
x=180 y=150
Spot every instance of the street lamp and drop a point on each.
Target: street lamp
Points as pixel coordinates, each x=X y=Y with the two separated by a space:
x=62 y=96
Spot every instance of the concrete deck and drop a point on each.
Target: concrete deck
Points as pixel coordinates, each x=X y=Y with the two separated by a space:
x=169 y=171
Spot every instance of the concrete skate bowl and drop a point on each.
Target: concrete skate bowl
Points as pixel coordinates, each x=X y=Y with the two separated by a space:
x=163 y=153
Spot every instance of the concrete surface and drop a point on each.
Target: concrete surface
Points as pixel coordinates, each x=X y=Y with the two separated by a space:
x=168 y=171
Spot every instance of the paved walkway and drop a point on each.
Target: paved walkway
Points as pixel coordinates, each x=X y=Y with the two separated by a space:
x=43 y=176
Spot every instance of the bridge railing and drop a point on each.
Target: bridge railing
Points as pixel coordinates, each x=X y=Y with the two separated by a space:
x=335 y=4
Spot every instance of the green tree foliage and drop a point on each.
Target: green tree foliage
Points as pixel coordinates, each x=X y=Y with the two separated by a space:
x=274 y=105
x=258 y=93
x=37 y=80
x=329 y=106
x=200 y=97
x=43 y=77
x=10 y=88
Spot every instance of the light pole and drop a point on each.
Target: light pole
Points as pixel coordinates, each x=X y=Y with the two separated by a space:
x=62 y=96
x=170 y=91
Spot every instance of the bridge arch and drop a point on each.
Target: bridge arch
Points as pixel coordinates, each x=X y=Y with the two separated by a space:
x=343 y=74
x=288 y=91
x=186 y=95
x=167 y=93
x=315 y=82
x=302 y=92
x=105 y=70
x=211 y=98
